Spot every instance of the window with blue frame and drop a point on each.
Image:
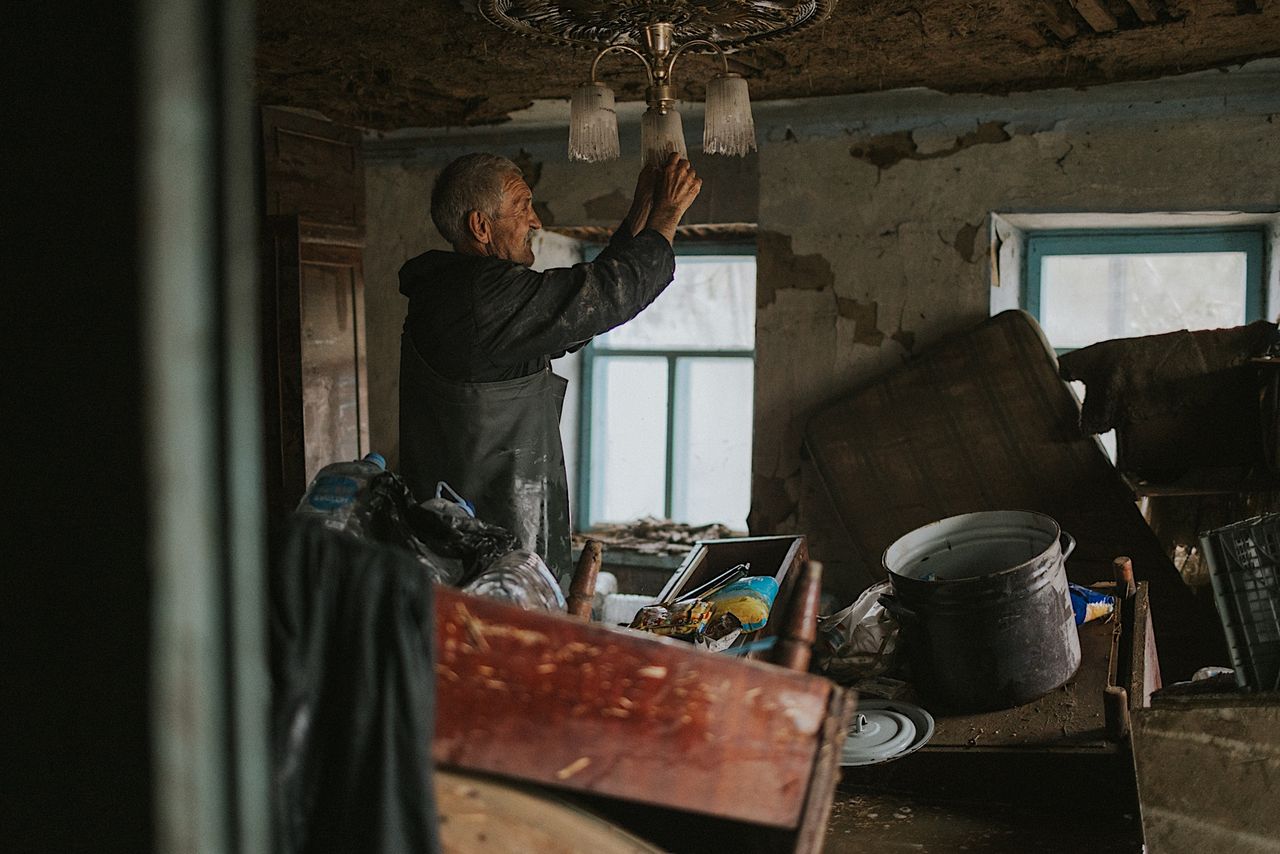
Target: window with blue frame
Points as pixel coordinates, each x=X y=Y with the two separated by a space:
x=1089 y=286
x=667 y=401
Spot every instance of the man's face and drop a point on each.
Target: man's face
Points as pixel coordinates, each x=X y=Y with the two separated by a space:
x=512 y=230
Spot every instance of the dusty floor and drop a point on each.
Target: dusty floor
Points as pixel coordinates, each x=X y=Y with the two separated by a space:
x=385 y=64
x=886 y=823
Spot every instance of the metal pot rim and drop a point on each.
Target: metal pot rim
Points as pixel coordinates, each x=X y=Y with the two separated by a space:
x=1053 y=542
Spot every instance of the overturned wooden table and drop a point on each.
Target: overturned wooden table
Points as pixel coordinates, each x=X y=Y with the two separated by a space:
x=680 y=746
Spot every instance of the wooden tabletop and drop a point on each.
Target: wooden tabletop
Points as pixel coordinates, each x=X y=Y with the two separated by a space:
x=1067 y=718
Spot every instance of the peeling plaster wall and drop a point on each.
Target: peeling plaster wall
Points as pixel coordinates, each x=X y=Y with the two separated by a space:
x=873 y=227
x=873 y=246
x=398 y=227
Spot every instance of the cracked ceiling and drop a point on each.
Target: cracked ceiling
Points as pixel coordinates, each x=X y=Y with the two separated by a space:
x=387 y=64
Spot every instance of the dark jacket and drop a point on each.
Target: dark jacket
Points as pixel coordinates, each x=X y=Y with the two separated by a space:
x=480 y=319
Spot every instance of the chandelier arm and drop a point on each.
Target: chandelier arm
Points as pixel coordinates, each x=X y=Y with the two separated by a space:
x=628 y=49
x=671 y=64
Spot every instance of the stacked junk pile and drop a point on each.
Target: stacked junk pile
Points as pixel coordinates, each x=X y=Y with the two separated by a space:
x=1024 y=590
x=1004 y=646
x=435 y=687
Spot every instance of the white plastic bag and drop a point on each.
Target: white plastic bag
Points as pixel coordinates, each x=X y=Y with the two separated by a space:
x=860 y=640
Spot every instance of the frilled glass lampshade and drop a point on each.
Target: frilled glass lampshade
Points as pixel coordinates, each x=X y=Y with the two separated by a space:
x=658 y=33
x=660 y=134
x=728 y=128
x=593 y=124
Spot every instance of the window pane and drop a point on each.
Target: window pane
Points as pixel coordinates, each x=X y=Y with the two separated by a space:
x=711 y=305
x=1089 y=298
x=628 y=438
x=712 y=471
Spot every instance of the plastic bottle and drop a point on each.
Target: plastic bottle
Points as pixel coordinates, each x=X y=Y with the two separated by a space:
x=520 y=578
x=336 y=491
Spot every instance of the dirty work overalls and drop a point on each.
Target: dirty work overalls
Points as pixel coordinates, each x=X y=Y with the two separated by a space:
x=496 y=443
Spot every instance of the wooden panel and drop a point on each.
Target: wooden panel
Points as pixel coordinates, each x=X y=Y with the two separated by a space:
x=540 y=697
x=314 y=361
x=313 y=301
x=1060 y=22
x=1095 y=14
x=1140 y=654
x=334 y=384
x=678 y=831
x=1144 y=10
x=313 y=168
x=284 y=451
x=480 y=814
x=330 y=235
x=817 y=808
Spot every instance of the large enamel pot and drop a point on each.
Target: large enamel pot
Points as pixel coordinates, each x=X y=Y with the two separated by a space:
x=984 y=607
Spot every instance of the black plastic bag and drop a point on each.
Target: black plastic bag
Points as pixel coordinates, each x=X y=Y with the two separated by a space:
x=452 y=532
x=353 y=696
x=391 y=517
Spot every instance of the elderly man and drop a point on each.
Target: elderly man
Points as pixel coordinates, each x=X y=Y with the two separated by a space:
x=479 y=405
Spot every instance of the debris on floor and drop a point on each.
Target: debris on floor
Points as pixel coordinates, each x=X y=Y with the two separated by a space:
x=653 y=536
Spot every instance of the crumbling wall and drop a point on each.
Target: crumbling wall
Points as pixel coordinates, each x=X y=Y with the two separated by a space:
x=874 y=246
x=398 y=227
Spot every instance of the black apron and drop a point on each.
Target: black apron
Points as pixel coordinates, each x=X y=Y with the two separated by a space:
x=497 y=444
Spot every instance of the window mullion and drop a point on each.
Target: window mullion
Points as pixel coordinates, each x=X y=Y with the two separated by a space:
x=671 y=435
x=586 y=459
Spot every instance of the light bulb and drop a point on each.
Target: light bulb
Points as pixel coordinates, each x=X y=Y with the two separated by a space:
x=660 y=135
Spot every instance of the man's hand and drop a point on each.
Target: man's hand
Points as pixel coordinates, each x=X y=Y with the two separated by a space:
x=642 y=202
x=676 y=187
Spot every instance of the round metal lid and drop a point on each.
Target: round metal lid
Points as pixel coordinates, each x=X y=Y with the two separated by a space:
x=884 y=730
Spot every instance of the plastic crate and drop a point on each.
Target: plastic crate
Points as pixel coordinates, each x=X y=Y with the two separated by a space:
x=1244 y=568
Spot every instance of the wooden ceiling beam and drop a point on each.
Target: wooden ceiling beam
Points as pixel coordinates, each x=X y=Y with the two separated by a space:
x=1095 y=15
x=1059 y=22
x=1144 y=10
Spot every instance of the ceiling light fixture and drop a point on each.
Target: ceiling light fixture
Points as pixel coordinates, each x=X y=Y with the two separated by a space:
x=648 y=29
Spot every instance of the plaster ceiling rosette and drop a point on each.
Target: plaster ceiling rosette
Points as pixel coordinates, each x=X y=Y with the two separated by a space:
x=730 y=24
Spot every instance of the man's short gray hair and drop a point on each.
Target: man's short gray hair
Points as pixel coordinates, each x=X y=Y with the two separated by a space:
x=473 y=182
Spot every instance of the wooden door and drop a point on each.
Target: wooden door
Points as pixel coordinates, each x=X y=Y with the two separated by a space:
x=285 y=457
x=315 y=371
x=314 y=356
x=335 y=401
x=313 y=168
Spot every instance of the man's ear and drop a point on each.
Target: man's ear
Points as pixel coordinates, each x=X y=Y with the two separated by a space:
x=478 y=227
